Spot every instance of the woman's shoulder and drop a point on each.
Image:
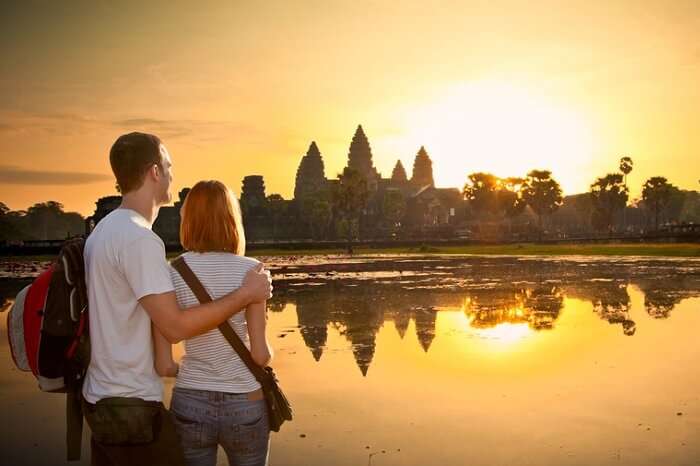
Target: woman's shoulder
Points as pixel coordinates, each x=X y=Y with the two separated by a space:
x=222 y=258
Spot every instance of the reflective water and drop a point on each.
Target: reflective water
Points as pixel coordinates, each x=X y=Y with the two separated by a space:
x=463 y=360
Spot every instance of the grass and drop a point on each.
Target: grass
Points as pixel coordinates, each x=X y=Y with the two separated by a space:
x=523 y=249
x=611 y=249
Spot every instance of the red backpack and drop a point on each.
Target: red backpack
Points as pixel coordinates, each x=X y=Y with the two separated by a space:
x=47 y=328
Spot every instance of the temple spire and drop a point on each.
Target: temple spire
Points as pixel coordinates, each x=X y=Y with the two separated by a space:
x=398 y=175
x=311 y=173
x=360 y=155
x=422 y=169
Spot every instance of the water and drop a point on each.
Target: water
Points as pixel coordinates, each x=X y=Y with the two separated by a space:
x=460 y=360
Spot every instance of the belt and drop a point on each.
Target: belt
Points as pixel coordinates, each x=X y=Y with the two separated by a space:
x=215 y=396
x=256 y=395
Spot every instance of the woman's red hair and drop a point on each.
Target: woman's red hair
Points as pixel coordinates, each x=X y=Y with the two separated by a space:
x=211 y=220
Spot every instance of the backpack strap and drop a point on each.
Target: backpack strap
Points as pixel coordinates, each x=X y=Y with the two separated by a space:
x=71 y=257
x=74 y=424
x=225 y=328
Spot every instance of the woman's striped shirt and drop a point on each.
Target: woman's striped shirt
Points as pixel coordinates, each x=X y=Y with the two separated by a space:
x=210 y=363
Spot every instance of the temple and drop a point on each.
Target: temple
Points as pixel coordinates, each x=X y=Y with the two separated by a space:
x=394 y=206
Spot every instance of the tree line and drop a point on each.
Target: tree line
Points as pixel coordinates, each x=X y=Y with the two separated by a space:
x=41 y=221
x=493 y=198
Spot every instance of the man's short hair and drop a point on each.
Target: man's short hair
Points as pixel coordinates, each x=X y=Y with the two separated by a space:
x=131 y=156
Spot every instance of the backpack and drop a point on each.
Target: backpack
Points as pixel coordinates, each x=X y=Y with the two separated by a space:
x=47 y=329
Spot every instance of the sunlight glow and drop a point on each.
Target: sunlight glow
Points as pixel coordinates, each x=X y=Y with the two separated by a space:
x=500 y=128
x=505 y=334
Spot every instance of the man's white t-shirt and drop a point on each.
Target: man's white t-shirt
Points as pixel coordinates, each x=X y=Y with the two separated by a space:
x=124 y=261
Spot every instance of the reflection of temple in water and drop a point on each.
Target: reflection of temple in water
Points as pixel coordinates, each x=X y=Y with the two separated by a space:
x=489 y=294
x=358 y=317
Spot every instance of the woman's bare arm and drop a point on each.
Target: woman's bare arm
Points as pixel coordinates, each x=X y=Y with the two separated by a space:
x=256 y=317
x=163 y=354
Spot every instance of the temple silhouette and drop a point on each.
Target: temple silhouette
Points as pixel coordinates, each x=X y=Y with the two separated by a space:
x=415 y=203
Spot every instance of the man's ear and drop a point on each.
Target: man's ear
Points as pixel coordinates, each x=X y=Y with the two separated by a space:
x=154 y=172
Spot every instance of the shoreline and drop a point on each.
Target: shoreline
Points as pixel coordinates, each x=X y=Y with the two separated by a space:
x=519 y=249
x=689 y=250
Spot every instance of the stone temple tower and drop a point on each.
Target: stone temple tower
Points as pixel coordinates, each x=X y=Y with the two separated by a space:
x=360 y=158
x=398 y=175
x=311 y=177
x=422 y=170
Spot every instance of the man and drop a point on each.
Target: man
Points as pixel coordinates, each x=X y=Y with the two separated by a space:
x=129 y=287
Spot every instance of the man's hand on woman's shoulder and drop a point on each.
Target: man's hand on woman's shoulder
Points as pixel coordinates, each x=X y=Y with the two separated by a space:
x=257 y=284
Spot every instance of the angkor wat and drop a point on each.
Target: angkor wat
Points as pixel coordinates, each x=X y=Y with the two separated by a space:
x=414 y=204
x=361 y=204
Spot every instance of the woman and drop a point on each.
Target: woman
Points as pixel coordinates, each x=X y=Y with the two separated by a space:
x=216 y=400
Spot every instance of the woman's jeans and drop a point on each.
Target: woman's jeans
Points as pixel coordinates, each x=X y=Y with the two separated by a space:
x=205 y=419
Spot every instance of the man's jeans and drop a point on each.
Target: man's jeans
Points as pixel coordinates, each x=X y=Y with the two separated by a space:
x=205 y=419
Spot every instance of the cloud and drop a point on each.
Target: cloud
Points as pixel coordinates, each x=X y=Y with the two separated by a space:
x=169 y=129
x=16 y=175
x=141 y=122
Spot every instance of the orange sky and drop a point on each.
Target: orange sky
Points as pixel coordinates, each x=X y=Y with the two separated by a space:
x=236 y=89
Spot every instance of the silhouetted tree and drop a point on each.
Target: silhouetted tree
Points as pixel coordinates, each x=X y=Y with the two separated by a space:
x=626 y=165
x=657 y=193
x=510 y=196
x=393 y=208
x=542 y=193
x=349 y=200
x=320 y=214
x=277 y=208
x=481 y=190
x=608 y=194
x=47 y=220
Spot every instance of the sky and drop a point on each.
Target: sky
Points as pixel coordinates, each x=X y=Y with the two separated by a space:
x=239 y=88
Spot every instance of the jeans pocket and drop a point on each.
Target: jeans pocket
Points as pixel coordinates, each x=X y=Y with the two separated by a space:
x=187 y=423
x=248 y=420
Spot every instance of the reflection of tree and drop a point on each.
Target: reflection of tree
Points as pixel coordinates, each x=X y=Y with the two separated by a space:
x=543 y=305
x=276 y=305
x=538 y=307
x=659 y=305
x=611 y=302
x=609 y=299
x=662 y=294
x=490 y=292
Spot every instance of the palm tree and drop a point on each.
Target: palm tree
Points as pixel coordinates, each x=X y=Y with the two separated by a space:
x=542 y=193
x=657 y=193
x=510 y=199
x=394 y=208
x=626 y=165
x=350 y=199
x=481 y=190
x=277 y=208
x=608 y=195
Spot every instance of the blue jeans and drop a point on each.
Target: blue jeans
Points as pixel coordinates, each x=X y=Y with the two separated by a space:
x=205 y=419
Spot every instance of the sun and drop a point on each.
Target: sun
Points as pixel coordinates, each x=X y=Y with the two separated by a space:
x=501 y=128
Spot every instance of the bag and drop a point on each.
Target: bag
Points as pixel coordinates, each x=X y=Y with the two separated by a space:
x=278 y=407
x=122 y=421
x=47 y=329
